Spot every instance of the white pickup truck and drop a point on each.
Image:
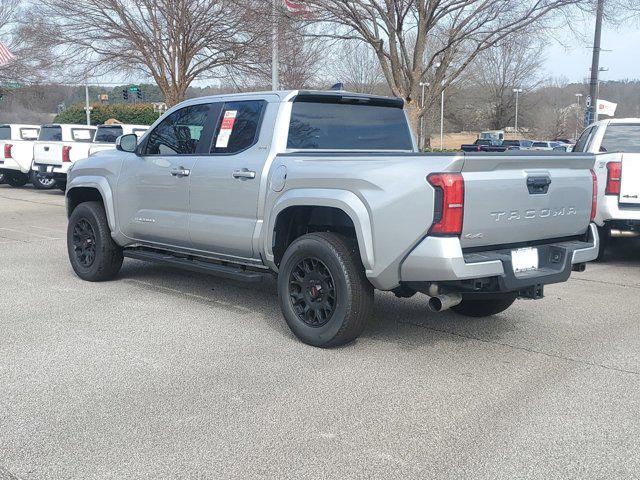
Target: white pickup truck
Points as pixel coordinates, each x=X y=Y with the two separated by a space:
x=16 y=146
x=105 y=138
x=616 y=144
x=58 y=146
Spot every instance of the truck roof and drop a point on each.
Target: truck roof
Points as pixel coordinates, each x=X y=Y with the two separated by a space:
x=616 y=120
x=286 y=95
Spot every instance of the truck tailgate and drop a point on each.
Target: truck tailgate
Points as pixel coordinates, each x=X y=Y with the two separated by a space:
x=630 y=183
x=522 y=197
x=49 y=153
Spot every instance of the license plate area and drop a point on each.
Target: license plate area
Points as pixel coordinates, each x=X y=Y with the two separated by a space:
x=524 y=259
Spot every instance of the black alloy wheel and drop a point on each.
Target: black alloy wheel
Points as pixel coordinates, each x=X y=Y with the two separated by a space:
x=312 y=292
x=84 y=242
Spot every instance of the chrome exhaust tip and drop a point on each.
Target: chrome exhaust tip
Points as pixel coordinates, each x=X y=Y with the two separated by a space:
x=615 y=233
x=440 y=303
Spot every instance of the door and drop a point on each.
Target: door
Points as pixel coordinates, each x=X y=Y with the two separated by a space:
x=153 y=188
x=225 y=183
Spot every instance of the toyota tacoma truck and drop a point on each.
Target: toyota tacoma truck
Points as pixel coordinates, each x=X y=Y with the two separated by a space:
x=327 y=191
x=106 y=135
x=58 y=146
x=616 y=146
x=16 y=147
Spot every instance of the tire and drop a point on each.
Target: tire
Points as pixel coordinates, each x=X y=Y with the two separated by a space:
x=93 y=254
x=605 y=239
x=17 y=179
x=41 y=183
x=484 y=307
x=337 y=290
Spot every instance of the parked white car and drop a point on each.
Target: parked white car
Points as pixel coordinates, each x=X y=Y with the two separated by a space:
x=544 y=145
x=16 y=147
x=616 y=143
x=59 y=146
x=105 y=138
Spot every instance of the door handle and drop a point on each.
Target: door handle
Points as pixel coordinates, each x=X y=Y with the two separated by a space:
x=180 y=172
x=244 y=174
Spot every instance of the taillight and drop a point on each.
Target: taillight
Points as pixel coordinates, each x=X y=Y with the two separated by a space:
x=449 y=203
x=65 y=154
x=614 y=175
x=7 y=150
x=594 y=195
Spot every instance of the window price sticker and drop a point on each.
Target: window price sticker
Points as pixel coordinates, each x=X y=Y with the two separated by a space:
x=226 y=128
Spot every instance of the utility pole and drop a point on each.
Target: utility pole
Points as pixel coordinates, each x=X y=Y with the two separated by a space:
x=592 y=112
x=275 y=80
x=516 y=91
x=87 y=106
x=442 y=119
x=421 y=139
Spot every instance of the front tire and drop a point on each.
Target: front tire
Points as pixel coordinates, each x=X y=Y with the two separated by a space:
x=324 y=294
x=484 y=307
x=93 y=254
x=41 y=183
x=17 y=179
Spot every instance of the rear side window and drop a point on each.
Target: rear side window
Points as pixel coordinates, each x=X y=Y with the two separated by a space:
x=82 y=134
x=238 y=126
x=51 y=133
x=348 y=126
x=5 y=133
x=108 y=134
x=540 y=144
x=621 y=137
x=179 y=133
x=29 y=133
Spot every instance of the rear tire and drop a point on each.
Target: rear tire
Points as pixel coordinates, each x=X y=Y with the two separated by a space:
x=325 y=296
x=2 y=178
x=605 y=238
x=93 y=254
x=41 y=183
x=484 y=307
x=17 y=179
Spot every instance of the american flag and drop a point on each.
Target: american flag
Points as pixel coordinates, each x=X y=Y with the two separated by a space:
x=5 y=55
x=295 y=6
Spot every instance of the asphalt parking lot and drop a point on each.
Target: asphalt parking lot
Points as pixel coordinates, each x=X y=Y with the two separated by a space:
x=170 y=374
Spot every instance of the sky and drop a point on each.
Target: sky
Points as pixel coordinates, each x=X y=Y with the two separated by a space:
x=574 y=63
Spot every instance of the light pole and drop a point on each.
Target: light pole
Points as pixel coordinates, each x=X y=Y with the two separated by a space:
x=578 y=96
x=442 y=119
x=422 y=132
x=517 y=91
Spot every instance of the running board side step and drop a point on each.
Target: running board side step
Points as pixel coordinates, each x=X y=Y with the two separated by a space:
x=234 y=272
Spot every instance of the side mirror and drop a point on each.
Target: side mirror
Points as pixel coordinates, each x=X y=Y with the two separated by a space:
x=127 y=143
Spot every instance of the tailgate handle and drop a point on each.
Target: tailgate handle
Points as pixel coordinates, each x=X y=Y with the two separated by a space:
x=538 y=185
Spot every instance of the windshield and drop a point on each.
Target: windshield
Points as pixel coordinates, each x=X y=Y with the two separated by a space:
x=348 y=126
x=51 y=133
x=621 y=137
x=108 y=134
x=5 y=132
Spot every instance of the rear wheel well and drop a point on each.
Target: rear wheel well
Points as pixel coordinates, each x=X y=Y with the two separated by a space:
x=293 y=222
x=79 y=195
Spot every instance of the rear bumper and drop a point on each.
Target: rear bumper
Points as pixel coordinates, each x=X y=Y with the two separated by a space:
x=12 y=165
x=609 y=209
x=438 y=259
x=57 y=172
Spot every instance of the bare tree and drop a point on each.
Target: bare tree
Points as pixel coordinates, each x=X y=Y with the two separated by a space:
x=429 y=40
x=356 y=65
x=173 y=41
x=513 y=63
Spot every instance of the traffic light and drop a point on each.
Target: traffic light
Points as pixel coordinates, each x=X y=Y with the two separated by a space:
x=139 y=94
x=125 y=94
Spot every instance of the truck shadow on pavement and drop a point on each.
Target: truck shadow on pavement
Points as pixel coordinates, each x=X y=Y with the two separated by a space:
x=406 y=322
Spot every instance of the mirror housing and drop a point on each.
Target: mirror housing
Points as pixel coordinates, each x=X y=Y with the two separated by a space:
x=127 y=143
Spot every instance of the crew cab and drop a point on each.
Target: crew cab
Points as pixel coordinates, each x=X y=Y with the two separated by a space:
x=106 y=135
x=57 y=147
x=616 y=146
x=16 y=147
x=327 y=191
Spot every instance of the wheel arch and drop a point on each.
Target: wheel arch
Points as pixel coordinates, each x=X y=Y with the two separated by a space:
x=87 y=189
x=348 y=211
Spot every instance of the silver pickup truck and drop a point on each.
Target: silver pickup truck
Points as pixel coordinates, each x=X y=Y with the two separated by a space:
x=327 y=190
